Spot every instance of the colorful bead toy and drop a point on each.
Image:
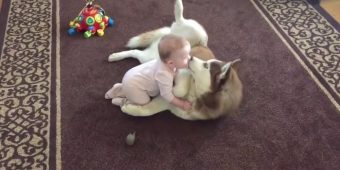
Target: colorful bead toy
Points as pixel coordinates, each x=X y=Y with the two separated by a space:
x=91 y=20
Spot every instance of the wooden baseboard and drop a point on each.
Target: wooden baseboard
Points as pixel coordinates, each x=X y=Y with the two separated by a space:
x=332 y=7
x=0 y=5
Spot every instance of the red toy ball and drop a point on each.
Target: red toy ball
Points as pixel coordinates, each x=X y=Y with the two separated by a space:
x=91 y=20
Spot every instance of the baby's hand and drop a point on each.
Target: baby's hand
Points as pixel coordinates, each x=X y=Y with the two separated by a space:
x=186 y=105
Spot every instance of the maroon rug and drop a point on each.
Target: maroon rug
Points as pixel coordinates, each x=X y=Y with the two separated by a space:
x=286 y=120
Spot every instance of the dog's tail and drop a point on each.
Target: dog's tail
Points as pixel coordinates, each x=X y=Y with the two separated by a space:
x=145 y=39
x=179 y=11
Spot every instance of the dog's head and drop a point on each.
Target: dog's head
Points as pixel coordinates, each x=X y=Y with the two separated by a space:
x=217 y=84
x=211 y=75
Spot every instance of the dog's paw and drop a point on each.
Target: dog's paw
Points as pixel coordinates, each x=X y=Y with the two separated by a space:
x=113 y=57
x=127 y=108
x=133 y=42
x=124 y=108
x=131 y=109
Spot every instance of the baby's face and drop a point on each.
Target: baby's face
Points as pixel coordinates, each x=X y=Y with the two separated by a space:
x=181 y=57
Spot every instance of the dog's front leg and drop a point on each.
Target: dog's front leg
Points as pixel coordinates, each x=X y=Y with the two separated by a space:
x=182 y=83
x=156 y=105
x=126 y=54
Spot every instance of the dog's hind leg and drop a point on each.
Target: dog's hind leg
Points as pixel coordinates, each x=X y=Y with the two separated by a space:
x=145 y=39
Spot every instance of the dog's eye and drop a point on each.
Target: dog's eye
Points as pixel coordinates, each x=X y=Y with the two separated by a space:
x=205 y=65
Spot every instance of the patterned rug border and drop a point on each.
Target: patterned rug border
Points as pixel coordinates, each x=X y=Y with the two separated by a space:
x=314 y=74
x=50 y=148
x=54 y=160
x=58 y=85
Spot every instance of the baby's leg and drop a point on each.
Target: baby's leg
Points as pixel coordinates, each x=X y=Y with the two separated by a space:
x=135 y=95
x=132 y=95
x=115 y=91
x=119 y=101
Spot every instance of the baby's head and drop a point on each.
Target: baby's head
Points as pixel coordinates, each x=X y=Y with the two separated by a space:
x=174 y=51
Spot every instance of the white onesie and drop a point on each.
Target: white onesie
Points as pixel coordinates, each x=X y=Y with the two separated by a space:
x=148 y=79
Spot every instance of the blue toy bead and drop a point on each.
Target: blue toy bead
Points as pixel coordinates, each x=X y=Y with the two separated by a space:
x=91 y=28
x=71 y=31
x=111 y=22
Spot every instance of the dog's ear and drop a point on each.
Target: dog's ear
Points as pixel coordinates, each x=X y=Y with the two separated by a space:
x=224 y=71
x=235 y=63
x=223 y=76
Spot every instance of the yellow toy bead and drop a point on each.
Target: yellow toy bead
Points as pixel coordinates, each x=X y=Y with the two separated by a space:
x=98 y=18
x=102 y=25
x=100 y=32
x=71 y=24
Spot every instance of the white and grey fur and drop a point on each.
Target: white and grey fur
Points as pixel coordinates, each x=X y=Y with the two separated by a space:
x=212 y=86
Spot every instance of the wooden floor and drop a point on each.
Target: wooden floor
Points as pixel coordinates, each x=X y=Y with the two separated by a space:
x=332 y=7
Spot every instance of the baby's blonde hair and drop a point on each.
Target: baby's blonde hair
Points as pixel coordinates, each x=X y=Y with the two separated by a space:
x=170 y=43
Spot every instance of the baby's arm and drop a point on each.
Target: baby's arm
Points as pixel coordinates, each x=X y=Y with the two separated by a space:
x=165 y=84
x=183 y=104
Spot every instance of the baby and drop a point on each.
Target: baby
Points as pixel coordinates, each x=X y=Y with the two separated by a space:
x=155 y=77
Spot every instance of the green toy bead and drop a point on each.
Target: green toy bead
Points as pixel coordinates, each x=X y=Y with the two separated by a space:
x=87 y=34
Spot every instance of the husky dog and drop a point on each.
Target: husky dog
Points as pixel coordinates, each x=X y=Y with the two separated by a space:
x=211 y=85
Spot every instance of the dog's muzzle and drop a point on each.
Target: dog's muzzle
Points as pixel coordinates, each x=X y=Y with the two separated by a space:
x=190 y=60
